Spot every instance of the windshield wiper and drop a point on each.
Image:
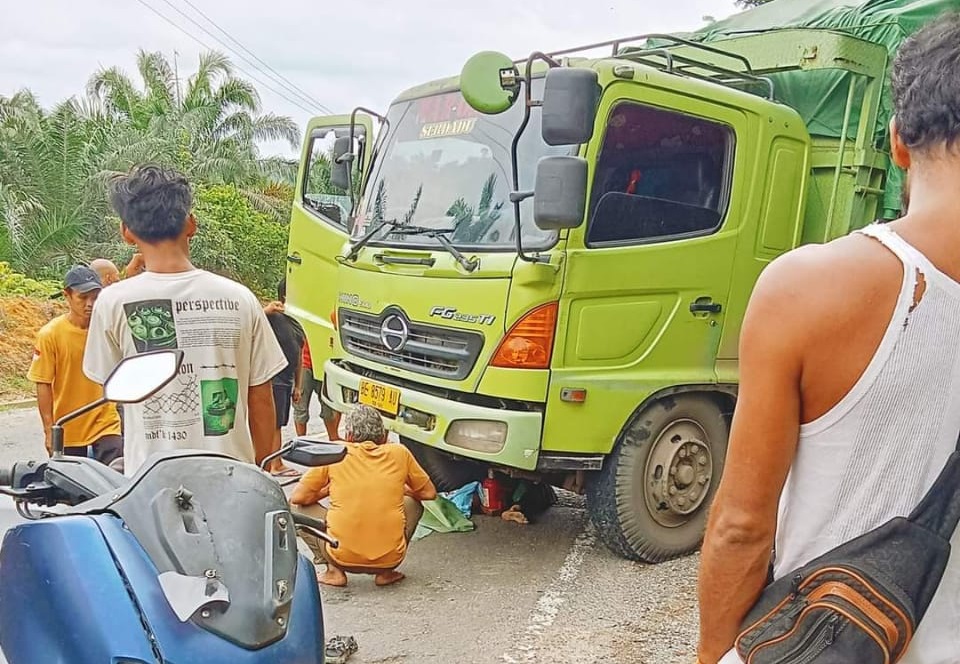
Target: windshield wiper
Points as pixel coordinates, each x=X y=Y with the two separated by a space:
x=440 y=235
x=362 y=242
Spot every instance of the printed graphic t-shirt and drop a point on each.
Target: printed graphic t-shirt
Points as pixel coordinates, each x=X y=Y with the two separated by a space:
x=227 y=344
x=58 y=360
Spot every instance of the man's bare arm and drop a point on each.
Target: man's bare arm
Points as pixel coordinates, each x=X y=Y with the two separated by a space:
x=763 y=438
x=45 y=406
x=306 y=494
x=262 y=418
x=428 y=492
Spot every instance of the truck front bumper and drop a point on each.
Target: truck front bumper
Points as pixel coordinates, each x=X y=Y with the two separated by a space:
x=435 y=421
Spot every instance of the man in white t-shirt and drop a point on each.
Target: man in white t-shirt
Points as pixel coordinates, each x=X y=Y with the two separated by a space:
x=222 y=400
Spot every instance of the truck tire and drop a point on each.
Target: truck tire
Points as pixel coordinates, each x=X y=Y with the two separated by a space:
x=650 y=500
x=447 y=472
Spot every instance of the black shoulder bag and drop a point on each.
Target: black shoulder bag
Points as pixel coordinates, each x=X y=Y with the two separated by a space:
x=862 y=601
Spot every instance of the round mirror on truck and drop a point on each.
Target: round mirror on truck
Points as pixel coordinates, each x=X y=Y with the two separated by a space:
x=490 y=82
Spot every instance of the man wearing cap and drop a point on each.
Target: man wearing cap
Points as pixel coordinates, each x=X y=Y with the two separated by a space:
x=62 y=387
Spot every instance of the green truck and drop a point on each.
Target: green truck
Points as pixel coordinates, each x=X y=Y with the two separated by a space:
x=540 y=267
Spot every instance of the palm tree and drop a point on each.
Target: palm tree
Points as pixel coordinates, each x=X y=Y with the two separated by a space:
x=472 y=226
x=53 y=163
x=210 y=129
x=47 y=198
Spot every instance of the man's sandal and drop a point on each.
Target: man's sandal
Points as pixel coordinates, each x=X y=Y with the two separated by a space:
x=339 y=649
x=288 y=472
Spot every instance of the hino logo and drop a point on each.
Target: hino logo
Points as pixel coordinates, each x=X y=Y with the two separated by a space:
x=394 y=332
x=451 y=313
x=353 y=300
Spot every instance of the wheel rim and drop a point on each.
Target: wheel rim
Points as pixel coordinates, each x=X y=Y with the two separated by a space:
x=678 y=473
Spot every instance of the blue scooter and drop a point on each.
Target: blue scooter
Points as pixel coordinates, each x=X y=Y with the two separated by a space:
x=194 y=559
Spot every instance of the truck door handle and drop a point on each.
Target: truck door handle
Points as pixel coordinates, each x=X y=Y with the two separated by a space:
x=705 y=305
x=294 y=259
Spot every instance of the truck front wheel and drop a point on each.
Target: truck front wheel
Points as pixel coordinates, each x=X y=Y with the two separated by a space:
x=650 y=500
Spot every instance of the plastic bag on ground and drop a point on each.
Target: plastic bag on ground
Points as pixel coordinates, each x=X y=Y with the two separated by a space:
x=442 y=516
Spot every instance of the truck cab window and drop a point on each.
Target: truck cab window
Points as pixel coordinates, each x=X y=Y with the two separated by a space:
x=319 y=196
x=660 y=175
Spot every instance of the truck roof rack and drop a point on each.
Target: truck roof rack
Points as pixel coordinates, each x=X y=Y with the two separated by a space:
x=665 y=59
x=743 y=62
x=617 y=44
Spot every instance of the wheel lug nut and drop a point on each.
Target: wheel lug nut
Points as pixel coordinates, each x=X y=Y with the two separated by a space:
x=703 y=459
x=673 y=491
x=681 y=501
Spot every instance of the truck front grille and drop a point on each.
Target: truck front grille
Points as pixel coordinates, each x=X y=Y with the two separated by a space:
x=432 y=351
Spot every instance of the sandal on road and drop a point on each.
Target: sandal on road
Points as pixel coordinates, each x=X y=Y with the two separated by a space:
x=287 y=472
x=339 y=649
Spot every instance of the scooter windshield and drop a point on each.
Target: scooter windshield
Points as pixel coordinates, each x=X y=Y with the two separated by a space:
x=222 y=539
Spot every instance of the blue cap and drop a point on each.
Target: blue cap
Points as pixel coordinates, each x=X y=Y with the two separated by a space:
x=82 y=279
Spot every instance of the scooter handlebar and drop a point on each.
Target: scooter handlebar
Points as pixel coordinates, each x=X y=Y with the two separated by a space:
x=316 y=527
x=309 y=522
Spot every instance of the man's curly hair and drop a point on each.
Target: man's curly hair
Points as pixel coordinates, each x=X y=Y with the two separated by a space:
x=926 y=85
x=363 y=424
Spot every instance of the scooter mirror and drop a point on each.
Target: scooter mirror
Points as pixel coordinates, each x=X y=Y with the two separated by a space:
x=139 y=376
x=313 y=453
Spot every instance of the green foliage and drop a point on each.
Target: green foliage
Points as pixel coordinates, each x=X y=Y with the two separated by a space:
x=472 y=226
x=14 y=283
x=751 y=3
x=54 y=165
x=380 y=202
x=318 y=175
x=236 y=240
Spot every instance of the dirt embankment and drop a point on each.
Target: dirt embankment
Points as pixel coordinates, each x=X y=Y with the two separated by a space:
x=20 y=318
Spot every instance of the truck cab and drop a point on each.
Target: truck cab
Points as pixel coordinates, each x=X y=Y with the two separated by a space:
x=545 y=264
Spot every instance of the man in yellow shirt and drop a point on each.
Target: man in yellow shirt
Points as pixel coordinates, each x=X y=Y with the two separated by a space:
x=375 y=495
x=62 y=387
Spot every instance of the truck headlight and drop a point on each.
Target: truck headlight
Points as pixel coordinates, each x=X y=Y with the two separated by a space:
x=478 y=435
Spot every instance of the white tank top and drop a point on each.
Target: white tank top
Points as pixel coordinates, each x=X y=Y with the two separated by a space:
x=873 y=456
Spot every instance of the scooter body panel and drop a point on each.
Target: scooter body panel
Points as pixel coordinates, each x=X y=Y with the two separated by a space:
x=72 y=564
x=64 y=601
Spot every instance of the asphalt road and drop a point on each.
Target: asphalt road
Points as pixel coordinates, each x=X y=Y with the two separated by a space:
x=547 y=592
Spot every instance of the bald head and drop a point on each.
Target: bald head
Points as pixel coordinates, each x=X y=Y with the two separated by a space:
x=108 y=272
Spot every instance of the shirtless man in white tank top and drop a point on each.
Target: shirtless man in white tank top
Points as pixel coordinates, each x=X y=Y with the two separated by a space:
x=849 y=400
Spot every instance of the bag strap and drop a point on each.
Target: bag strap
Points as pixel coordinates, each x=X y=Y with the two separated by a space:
x=939 y=510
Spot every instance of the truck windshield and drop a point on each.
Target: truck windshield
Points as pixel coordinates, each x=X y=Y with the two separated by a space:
x=445 y=166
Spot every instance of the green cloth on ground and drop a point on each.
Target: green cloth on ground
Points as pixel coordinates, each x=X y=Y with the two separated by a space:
x=442 y=516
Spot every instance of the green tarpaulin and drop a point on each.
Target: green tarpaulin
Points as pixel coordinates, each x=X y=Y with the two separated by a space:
x=441 y=516
x=820 y=96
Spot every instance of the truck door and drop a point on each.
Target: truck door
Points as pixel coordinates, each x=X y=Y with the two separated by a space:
x=648 y=276
x=318 y=228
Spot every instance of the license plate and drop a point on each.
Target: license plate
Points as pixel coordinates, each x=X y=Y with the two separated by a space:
x=380 y=397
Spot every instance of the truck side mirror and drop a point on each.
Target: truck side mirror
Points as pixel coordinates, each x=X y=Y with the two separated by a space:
x=570 y=98
x=560 y=193
x=342 y=162
x=490 y=82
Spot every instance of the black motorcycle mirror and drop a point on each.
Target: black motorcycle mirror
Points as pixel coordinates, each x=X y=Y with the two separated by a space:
x=134 y=379
x=309 y=452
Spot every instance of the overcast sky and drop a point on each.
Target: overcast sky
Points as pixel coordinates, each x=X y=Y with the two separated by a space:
x=341 y=55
